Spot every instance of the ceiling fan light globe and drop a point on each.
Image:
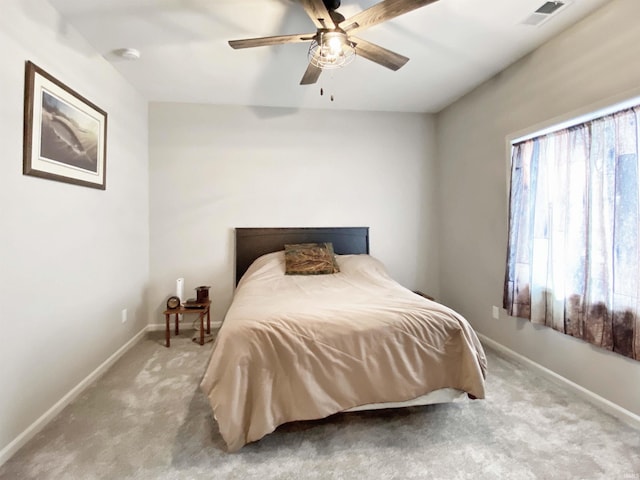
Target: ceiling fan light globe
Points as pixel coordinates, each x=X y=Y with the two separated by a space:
x=331 y=50
x=334 y=45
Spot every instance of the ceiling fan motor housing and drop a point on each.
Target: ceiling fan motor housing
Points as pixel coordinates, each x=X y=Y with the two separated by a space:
x=331 y=4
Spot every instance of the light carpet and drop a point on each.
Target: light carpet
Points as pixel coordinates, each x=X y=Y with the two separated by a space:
x=147 y=419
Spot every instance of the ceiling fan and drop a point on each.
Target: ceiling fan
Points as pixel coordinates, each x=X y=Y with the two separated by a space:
x=334 y=45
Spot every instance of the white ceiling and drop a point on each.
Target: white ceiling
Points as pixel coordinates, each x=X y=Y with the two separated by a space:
x=454 y=45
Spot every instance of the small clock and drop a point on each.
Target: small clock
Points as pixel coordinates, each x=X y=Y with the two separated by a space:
x=173 y=302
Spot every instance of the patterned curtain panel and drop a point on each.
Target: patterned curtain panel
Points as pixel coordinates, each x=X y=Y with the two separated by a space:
x=573 y=260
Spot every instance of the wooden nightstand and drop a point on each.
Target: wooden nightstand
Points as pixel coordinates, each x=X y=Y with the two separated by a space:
x=422 y=294
x=201 y=309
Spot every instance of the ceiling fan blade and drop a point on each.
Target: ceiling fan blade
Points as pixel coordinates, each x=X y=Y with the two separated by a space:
x=381 y=12
x=318 y=13
x=276 y=40
x=379 y=55
x=311 y=75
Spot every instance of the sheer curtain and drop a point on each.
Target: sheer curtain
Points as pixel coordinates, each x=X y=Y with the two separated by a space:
x=573 y=260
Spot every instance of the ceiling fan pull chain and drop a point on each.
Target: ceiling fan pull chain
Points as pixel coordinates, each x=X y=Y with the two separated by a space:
x=331 y=80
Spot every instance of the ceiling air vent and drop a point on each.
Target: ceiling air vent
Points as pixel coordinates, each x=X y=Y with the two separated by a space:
x=549 y=7
x=544 y=12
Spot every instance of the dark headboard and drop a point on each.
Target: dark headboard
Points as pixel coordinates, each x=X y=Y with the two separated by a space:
x=252 y=243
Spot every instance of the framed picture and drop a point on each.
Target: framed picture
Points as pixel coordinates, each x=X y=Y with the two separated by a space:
x=65 y=135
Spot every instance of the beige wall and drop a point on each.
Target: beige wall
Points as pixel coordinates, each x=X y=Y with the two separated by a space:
x=214 y=168
x=71 y=258
x=590 y=65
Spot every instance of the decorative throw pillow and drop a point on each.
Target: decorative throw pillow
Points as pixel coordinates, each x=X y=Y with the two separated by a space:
x=310 y=259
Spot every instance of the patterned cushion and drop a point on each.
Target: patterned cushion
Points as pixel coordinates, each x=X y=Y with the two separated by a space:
x=310 y=259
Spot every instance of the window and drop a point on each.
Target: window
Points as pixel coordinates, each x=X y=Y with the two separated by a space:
x=573 y=260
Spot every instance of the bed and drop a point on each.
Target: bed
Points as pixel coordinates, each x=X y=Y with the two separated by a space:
x=303 y=347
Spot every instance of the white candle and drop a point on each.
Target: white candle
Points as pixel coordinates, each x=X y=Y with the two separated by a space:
x=180 y=288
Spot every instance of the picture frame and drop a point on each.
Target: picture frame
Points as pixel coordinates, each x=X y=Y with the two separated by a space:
x=65 y=135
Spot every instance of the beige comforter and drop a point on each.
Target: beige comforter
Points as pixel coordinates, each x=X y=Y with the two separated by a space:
x=304 y=347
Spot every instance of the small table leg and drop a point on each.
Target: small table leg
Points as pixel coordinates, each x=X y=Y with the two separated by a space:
x=202 y=328
x=167 y=336
x=209 y=320
x=177 y=328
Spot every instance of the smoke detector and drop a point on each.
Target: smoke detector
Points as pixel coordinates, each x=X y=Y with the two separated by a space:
x=128 y=53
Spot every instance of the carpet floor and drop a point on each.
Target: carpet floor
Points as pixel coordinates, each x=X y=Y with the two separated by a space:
x=147 y=419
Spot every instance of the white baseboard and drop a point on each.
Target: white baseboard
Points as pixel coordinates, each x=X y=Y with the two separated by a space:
x=31 y=431
x=601 y=402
